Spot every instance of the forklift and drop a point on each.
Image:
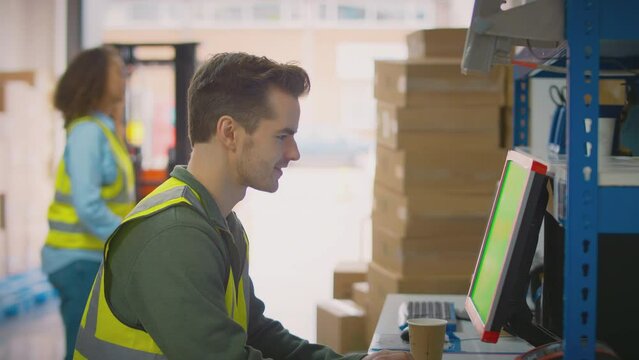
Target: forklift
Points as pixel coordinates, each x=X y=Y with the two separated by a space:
x=183 y=62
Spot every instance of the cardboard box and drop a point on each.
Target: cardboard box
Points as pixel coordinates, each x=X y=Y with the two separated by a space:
x=383 y=281
x=415 y=213
x=436 y=43
x=441 y=142
x=360 y=293
x=344 y=275
x=373 y=311
x=438 y=232
x=26 y=76
x=394 y=121
x=436 y=82
x=2 y=211
x=390 y=211
x=612 y=92
x=372 y=316
x=412 y=256
x=402 y=170
x=341 y=326
x=506 y=131
x=430 y=226
x=510 y=86
x=437 y=129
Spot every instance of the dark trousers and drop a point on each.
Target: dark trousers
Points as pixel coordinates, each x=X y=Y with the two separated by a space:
x=73 y=282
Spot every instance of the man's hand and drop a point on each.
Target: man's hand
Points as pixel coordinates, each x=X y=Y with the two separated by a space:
x=389 y=355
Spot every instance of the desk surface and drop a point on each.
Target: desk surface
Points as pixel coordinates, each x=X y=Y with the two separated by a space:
x=387 y=332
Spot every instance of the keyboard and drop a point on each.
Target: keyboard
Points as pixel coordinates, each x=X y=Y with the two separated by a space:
x=431 y=309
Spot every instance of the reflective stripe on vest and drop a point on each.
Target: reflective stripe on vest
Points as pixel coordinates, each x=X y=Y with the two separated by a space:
x=65 y=228
x=90 y=345
x=102 y=336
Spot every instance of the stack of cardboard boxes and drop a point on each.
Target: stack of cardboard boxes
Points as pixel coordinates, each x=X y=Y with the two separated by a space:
x=438 y=162
x=341 y=321
x=29 y=131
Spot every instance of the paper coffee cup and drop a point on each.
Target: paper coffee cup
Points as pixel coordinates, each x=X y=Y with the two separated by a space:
x=427 y=338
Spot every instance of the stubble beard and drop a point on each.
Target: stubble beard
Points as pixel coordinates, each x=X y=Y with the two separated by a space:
x=254 y=172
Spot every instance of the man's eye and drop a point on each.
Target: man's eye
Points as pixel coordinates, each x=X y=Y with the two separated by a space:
x=281 y=137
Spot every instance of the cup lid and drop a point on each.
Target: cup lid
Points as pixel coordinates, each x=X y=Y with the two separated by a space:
x=426 y=322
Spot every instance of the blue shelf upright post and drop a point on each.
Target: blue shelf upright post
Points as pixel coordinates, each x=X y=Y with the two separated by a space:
x=580 y=270
x=520 y=112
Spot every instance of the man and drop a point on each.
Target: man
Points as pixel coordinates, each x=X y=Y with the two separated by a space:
x=174 y=282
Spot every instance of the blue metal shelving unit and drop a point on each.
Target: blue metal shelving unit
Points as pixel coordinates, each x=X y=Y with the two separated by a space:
x=580 y=269
x=590 y=209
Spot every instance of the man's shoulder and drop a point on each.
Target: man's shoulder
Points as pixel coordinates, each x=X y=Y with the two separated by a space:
x=173 y=217
x=164 y=228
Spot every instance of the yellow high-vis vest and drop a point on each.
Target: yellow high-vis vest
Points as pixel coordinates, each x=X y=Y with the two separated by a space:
x=65 y=228
x=102 y=336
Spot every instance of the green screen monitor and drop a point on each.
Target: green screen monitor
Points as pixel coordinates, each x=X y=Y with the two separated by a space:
x=497 y=293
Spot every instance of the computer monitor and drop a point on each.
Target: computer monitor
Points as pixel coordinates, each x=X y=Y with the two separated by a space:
x=497 y=294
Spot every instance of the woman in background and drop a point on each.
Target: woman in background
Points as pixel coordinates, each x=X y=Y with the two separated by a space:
x=94 y=187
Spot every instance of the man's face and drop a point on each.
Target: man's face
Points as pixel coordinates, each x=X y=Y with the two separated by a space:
x=263 y=154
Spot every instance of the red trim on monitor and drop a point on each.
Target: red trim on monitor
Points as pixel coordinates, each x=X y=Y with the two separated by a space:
x=527 y=161
x=539 y=168
x=490 y=336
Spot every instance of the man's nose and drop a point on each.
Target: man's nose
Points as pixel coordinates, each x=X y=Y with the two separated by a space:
x=292 y=152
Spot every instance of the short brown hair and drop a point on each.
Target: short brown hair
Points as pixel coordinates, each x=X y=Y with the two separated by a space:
x=236 y=84
x=83 y=84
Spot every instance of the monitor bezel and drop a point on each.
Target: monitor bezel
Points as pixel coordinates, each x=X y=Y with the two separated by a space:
x=487 y=330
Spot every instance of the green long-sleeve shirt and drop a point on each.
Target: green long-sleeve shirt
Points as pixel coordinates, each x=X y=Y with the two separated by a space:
x=166 y=274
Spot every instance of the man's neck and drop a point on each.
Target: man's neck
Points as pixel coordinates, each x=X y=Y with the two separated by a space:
x=210 y=168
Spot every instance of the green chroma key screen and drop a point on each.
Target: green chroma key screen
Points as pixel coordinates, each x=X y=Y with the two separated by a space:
x=498 y=238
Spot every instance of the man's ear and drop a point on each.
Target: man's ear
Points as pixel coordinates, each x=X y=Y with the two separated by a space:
x=226 y=132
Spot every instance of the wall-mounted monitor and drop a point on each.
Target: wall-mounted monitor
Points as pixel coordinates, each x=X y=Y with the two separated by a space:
x=493 y=31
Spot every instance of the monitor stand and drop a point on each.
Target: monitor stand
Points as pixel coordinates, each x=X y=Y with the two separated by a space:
x=520 y=324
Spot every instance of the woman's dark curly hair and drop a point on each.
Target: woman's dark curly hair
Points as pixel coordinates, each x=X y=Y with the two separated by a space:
x=83 y=85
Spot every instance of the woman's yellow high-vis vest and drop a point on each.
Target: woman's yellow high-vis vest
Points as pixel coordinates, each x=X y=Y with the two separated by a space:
x=65 y=228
